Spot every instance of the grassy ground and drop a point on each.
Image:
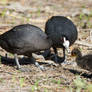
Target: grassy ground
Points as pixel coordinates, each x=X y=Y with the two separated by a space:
x=56 y=78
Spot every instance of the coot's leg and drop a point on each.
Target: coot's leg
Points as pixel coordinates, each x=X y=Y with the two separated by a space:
x=6 y=55
x=17 y=61
x=18 y=65
x=55 y=55
x=37 y=64
x=65 y=58
x=46 y=53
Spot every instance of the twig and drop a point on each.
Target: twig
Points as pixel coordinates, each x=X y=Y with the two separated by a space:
x=83 y=43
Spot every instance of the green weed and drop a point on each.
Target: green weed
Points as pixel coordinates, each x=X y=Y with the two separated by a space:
x=3 y=13
x=35 y=86
x=21 y=82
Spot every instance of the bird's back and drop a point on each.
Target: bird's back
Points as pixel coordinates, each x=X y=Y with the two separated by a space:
x=24 y=38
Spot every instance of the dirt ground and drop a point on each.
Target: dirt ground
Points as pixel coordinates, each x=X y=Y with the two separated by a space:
x=55 y=78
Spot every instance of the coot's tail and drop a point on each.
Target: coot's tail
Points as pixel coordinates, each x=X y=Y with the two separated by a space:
x=3 y=43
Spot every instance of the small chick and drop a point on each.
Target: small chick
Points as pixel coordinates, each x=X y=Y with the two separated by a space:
x=84 y=62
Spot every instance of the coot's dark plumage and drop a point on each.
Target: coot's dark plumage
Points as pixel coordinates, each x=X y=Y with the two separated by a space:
x=84 y=62
x=61 y=31
x=24 y=40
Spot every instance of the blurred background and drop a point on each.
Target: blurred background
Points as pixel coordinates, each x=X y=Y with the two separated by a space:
x=14 y=12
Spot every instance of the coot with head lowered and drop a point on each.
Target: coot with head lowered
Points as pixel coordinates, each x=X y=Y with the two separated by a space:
x=62 y=32
x=24 y=40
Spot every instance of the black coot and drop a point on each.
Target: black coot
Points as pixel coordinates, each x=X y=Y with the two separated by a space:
x=84 y=62
x=62 y=32
x=24 y=40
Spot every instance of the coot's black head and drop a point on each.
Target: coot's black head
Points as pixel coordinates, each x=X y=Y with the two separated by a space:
x=65 y=42
x=76 y=52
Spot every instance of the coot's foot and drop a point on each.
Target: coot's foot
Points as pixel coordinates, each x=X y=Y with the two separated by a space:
x=65 y=63
x=42 y=68
x=74 y=64
x=24 y=69
x=39 y=66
